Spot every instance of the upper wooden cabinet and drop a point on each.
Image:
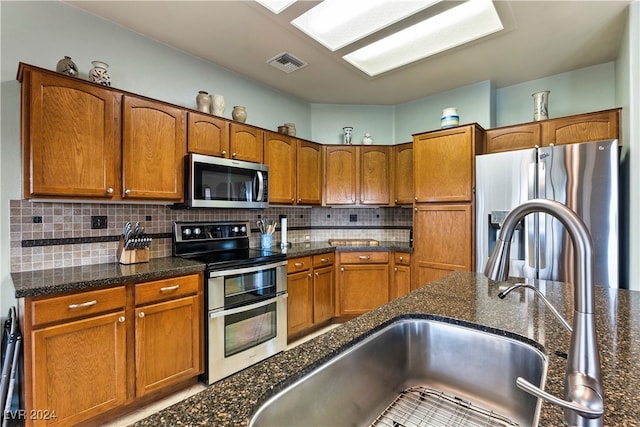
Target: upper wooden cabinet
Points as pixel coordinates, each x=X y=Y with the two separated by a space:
x=70 y=136
x=357 y=175
x=581 y=128
x=208 y=135
x=245 y=143
x=513 y=138
x=402 y=174
x=154 y=143
x=309 y=173
x=444 y=164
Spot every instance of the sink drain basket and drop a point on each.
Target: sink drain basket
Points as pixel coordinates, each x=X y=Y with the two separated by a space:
x=421 y=406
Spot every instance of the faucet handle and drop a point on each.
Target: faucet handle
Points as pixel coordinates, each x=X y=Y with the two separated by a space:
x=593 y=403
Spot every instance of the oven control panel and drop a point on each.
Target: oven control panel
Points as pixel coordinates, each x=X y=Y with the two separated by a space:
x=202 y=231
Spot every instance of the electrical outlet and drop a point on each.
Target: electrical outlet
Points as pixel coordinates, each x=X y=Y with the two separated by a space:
x=307 y=238
x=98 y=222
x=37 y=220
x=353 y=218
x=148 y=218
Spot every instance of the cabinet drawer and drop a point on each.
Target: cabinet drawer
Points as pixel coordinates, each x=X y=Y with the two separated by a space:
x=402 y=258
x=167 y=289
x=324 y=259
x=299 y=264
x=364 y=257
x=77 y=305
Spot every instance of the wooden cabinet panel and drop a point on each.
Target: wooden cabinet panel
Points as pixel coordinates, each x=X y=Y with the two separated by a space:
x=403 y=174
x=309 y=173
x=160 y=290
x=323 y=294
x=513 y=138
x=323 y=260
x=154 y=146
x=360 y=257
x=401 y=281
x=245 y=143
x=300 y=302
x=167 y=343
x=70 y=137
x=79 y=368
x=402 y=258
x=341 y=167
x=208 y=135
x=444 y=164
x=299 y=264
x=363 y=287
x=582 y=128
x=280 y=156
x=375 y=177
x=443 y=240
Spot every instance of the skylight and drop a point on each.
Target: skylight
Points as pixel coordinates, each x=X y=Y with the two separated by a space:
x=276 y=6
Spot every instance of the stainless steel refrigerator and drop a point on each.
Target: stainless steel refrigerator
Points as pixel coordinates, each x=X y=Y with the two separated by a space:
x=582 y=176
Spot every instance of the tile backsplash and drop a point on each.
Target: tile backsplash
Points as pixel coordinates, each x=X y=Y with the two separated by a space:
x=50 y=235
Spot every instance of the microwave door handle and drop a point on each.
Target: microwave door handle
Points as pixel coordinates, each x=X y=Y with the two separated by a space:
x=260 y=185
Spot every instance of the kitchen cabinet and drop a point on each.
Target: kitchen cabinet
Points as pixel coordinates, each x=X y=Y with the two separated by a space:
x=444 y=168
x=443 y=240
x=105 y=350
x=154 y=143
x=362 y=281
x=309 y=173
x=75 y=349
x=168 y=332
x=245 y=143
x=402 y=174
x=311 y=293
x=513 y=138
x=207 y=135
x=401 y=276
x=357 y=175
x=70 y=136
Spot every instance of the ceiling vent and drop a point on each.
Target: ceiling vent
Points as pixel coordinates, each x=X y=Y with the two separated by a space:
x=287 y=62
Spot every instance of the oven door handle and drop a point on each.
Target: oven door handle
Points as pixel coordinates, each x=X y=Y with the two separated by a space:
x=223 y=312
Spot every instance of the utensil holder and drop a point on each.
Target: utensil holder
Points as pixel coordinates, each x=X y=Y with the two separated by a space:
x=266 y=240
x=131 y=256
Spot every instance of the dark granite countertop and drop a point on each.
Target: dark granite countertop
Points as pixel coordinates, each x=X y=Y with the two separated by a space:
x=86 y=277
x=314 y=248
x=461 y=297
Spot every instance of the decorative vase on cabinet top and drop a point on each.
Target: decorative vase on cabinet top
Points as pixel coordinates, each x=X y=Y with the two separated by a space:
x=203 y=102
x=367 y=140
x=99 y=74
x=67 y=66
x=541 y=105
x=239 y=114
x=450 y=118
x=217 y=105
x=348 y=131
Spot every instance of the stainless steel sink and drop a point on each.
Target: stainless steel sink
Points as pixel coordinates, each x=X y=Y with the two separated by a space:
x=438 y=368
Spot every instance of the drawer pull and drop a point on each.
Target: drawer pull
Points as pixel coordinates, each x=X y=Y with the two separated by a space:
x=169 y=288
x=395 y=269
x=298 y=264
x=317 y=274
x=401 y=259
x=83 y=304
x=121 y=319
x=364 y=257
x=141 y=314
x=324 y=259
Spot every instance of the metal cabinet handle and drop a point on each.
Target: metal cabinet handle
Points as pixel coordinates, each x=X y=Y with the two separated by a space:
x=121 y=319
x=415 y=209
x=224 y=153
x=342 y=269
x=127 y=191
x=83 y=304
x=309 y=275
x=299 y=200
x=317 y=274
x=293 y=200
x=364 y=257
x=169 y=288
x=395 y=269
x=109 y=190
x=395 y=201
x=324 y=259
x=141 y=314
x=234 y=155
x=298 y=264
x=401 y=259
x=416 y=198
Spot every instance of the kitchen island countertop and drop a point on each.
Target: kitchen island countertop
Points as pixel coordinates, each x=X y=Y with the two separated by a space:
x=459 y=297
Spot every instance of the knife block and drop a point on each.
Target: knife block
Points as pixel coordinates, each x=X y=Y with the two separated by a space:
x=131 y=256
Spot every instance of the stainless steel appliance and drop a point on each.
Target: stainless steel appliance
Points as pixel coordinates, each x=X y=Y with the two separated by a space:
x=245 y=294
x=213 y=182
x=582 y=176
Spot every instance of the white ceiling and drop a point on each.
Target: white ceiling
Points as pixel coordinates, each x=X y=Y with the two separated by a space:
x=541 y=38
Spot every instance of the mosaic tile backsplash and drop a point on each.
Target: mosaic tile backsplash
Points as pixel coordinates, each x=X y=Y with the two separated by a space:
x=50 y=235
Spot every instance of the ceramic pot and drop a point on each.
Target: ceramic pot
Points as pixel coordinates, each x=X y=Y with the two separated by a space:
x=203 y=102
x=541 y=105
x=348 y=131
x=99 y=74
x=217 y=105
x=367 y=140
x=67 y=66
x=239 y=114
x=450 y=118
x=291 y=129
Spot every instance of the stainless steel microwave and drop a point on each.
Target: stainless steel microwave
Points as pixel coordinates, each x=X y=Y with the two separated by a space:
x=213 y=182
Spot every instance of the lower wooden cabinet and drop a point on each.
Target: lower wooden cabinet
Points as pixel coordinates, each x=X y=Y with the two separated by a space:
x=401 y=275
x=363 y=281
x=299 y=302
x=86 y=355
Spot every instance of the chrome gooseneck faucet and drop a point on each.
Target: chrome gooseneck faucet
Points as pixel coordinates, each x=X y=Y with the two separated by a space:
x=583 y=401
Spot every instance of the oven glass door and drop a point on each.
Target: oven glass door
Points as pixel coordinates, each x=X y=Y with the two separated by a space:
x=249 y=328
x=249 y=287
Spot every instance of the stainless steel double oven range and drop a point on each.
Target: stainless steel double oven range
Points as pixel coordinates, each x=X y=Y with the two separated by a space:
x=245 y=294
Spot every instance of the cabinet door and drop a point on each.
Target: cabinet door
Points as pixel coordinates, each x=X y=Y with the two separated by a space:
x=70 y=137
x=300 y=302
x=323 y=298
x=167 y=341
x=443 y=241
x=245 y=143
x=444 y=165
x=375 y=188
x=403 y=174
x=401 y=281
x=309 y=173
x=582 y=128
x=513 y=138
x=363 y=287
x=79 y=368
x=208 y=135
x=280 y=156
x=341 y=175
x=154 y=146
